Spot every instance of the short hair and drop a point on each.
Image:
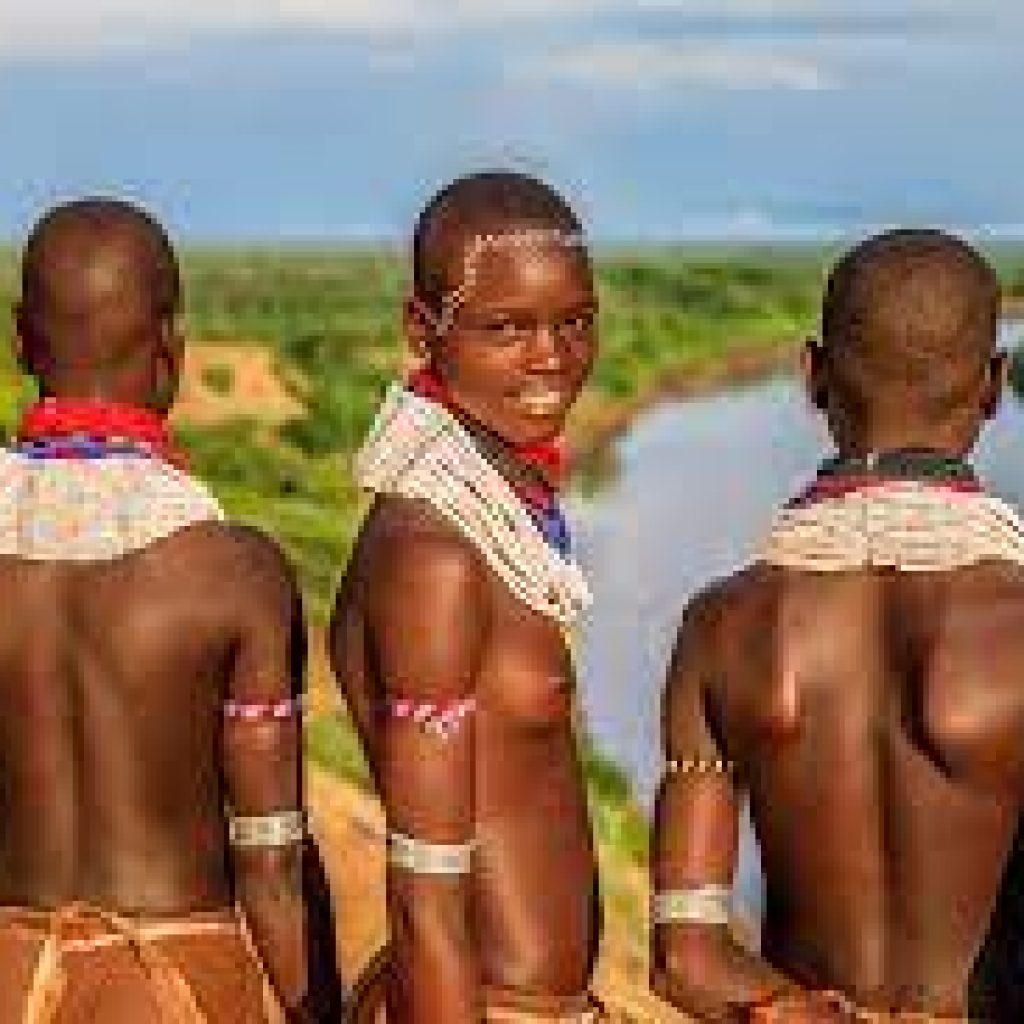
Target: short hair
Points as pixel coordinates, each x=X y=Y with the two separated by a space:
x=911 y=314
x=105 y=217
x=479 y=203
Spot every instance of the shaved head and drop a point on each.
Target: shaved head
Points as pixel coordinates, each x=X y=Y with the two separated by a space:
x=909 y=325
x=488 y=202
x=100 y=286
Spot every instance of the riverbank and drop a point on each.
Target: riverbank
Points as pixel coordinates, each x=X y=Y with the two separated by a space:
x=598 y=421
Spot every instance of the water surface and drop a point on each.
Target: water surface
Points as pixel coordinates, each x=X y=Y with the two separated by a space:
x=695 y=487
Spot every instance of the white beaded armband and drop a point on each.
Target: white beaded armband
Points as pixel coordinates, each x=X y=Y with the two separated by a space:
x=702 y=904
x=421 y=858
x=282 y=828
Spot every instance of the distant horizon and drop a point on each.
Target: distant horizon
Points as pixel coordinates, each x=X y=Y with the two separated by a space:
x=984 y=237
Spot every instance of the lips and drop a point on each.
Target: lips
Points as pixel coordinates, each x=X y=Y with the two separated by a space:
x=542 y=401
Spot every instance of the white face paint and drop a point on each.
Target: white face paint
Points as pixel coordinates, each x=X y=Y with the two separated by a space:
x=480 y=244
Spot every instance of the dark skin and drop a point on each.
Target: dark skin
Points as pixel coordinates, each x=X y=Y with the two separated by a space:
x=876 y=721
x=419 y=615
x=113 y=675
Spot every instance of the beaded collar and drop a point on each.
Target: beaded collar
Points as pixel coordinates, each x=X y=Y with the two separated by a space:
x=840 y=475
x=911 y=510
x=88 y=481
x=543 y=461
x=417 y=448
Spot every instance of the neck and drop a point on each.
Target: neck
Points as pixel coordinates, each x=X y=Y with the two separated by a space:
x=97 y=390
x=527 y=466
x=500 y=453
x=856 y=440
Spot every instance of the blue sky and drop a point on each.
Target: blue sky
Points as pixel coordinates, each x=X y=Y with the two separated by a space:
x=661 y=119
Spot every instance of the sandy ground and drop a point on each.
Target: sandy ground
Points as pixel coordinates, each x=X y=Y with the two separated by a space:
x=256 y=389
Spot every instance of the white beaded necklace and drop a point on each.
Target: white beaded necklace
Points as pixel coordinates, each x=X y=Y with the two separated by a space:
x=907 y=525
x=418 y=449
x=82 y=510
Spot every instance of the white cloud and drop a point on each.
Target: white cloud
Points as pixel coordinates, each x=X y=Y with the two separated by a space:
x=660 y=65
x=59 y=26
x=62 y=26
x=44 y=27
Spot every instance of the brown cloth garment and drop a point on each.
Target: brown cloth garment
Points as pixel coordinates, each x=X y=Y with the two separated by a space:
x=81 y=964
x=779 y=1012
x=503 y=1007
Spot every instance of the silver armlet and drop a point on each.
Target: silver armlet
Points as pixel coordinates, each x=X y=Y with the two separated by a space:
x=702 y=904
x=422 y=858
x=282 y=828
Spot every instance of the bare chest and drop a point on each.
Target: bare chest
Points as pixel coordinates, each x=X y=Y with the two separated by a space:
x=527 y=677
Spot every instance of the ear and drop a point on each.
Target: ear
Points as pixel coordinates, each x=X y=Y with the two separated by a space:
x=418 y=323
x=813 y=371
x=997 y=379
x=20 y=343
x=169 y=356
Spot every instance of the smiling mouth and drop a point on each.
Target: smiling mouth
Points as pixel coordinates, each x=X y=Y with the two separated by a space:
x=542 y=401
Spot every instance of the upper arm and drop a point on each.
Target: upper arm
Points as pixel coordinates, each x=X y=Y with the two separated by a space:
x=697 y=811
x=263 y=765
x=427 y=614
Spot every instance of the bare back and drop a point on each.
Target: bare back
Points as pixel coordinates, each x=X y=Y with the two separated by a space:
x=112 y=678
x=877 y=720
x=534 y=885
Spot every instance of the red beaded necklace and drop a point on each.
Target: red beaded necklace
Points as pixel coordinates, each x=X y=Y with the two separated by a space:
x=96 y=419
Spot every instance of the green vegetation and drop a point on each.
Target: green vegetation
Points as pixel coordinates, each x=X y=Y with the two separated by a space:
x=331 y=742
x=670 y=311
x=332 y=322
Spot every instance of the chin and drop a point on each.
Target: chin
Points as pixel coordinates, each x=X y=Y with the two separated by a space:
x=536 y=430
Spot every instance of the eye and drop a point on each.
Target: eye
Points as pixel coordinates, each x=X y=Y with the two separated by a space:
x=503 y=330
x=577 y=324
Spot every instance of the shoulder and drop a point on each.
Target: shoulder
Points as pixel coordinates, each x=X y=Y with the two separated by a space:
x=408 y=544
x=986 y=600
x=715 y=623
x=711 y=606
x=420 y=577
x=241 y=560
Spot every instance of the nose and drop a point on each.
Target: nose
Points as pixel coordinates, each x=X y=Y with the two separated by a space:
x=546 y=348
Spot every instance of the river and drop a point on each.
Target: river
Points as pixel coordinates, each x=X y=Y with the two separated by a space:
x=694 y=487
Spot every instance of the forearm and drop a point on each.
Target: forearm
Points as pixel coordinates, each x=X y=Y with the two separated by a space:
x=268 y=886
x=713 y=977
x=437 y=970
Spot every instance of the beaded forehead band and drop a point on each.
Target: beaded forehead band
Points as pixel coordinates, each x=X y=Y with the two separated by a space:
x=479 y=244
